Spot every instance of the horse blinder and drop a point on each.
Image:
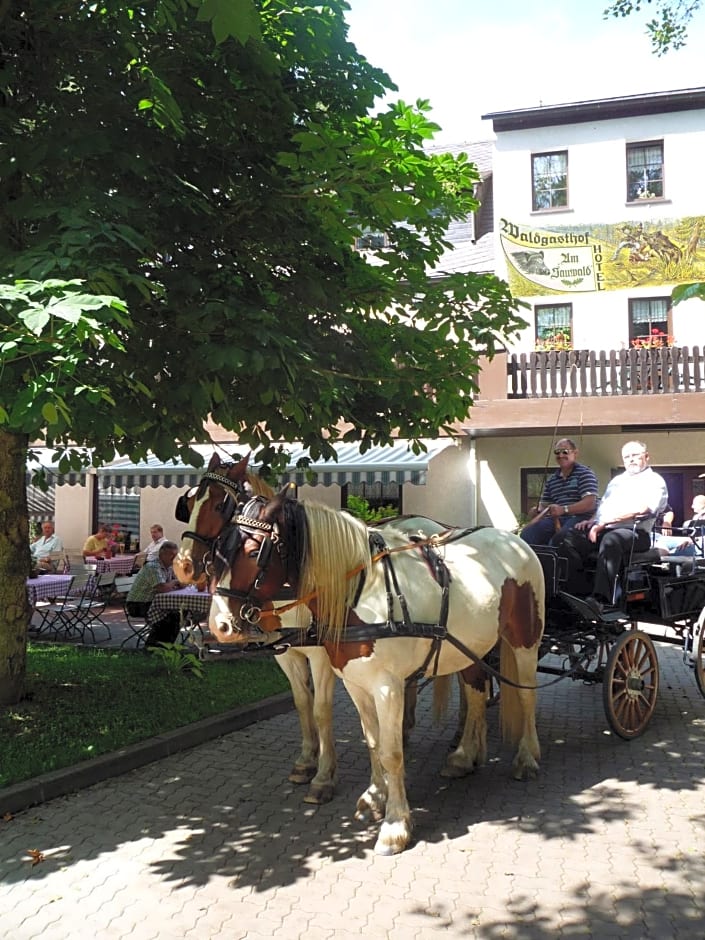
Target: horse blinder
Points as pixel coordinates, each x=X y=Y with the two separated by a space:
x=182 y=512
x=265 y=553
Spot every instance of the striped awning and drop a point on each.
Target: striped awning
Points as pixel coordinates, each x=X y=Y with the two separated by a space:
x=395 y=463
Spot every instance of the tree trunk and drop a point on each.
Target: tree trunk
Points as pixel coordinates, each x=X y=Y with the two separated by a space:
x=15 y=613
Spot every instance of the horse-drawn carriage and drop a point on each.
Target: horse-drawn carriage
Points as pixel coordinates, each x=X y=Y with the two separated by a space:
x=659 y=598
x=389 y=607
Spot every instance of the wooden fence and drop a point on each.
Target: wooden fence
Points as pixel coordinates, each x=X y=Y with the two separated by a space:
x=587 y=373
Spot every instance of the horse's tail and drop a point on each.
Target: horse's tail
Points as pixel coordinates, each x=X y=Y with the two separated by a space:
x=441 y=696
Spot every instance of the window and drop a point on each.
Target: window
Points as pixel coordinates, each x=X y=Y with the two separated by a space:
x=645 y=171
x=554 y=326
x=648 y=321
x=371 y=241
x=532 y=483
x=549 y=180
x=117 y=506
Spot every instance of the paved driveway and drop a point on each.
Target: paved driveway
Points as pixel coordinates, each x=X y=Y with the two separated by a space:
x=214 y=843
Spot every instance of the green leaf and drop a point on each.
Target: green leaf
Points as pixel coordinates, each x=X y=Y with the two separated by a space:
x=35 y=320
x=49 y=413
x=238 y=19
x=687 y=291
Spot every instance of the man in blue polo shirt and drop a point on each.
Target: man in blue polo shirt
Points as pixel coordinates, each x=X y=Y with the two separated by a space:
x=569 y=496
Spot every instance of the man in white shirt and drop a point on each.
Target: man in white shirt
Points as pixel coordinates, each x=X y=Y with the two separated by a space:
x=613 y=534
x=151 y=551
x=47 y=544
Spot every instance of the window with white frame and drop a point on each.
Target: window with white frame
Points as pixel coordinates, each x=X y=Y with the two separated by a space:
x=648 y=318
x=645 y=171
x=554 y=326
x=549 y=180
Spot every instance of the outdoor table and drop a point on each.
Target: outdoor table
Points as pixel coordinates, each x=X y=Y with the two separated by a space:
x=191 y=604
x=120 y=564
x=47 y=587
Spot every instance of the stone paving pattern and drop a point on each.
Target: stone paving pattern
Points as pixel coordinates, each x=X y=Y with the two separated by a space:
x=215 y=843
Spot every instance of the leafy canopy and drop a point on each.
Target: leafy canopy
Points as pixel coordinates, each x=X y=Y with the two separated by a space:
x=669 y=27
x=181 y=186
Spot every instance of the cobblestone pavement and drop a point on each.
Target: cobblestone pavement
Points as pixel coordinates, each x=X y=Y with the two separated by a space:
x=215 y=843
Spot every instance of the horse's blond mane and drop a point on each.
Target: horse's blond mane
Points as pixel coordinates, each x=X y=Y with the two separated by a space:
x=337 y=545
x=259 y=486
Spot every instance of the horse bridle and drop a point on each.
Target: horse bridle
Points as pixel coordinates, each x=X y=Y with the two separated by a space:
x=234 y=494
x=266 y=536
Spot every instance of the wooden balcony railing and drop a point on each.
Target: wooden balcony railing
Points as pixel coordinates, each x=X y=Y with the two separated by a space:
x=578 y=373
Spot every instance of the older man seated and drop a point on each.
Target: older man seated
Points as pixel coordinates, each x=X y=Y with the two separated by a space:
x=156 y=577
x=46 y=548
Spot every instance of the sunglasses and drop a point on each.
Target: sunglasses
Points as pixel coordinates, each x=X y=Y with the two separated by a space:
x=563 y=452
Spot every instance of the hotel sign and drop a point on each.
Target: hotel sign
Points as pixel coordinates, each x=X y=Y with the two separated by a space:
x=601 y=257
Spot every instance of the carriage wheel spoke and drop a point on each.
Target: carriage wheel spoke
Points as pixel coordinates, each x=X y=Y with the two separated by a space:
x=631 y=683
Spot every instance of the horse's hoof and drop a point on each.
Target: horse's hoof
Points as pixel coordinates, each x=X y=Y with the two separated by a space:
x=455 y=771
x=393 y=838
x=384 y=849
x=319 y=795
x=525 y=771
x=300 y=774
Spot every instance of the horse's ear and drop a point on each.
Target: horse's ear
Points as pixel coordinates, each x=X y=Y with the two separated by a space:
x=239 y=470
x=274 y=506
x=214 y=462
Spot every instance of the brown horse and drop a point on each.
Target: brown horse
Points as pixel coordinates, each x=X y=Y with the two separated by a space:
x=208 y=510
x=388 y=612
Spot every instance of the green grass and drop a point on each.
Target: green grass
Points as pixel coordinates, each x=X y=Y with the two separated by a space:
x=81 y=703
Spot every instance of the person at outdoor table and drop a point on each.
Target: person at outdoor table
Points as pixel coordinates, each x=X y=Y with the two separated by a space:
x=569 y=495
x=622 y=524
x=98 y=545
x=151 y=552
x=156 y=577
x=47 y=543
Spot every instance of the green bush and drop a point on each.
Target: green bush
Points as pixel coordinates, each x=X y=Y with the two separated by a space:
x=360 y=507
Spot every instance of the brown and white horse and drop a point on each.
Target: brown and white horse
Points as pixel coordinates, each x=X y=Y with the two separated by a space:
x=377 y=612
x=208 y=509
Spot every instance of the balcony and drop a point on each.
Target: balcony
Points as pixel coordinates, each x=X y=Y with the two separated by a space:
x=589 y=390
x=585 y=373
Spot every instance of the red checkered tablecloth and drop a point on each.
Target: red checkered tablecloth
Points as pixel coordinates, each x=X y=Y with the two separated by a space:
x=47 y=587
x=188 y=601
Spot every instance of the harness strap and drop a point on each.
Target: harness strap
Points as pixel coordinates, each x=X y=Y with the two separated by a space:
x=383 y=551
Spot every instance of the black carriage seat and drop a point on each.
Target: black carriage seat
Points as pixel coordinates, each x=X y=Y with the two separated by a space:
x=555 y=568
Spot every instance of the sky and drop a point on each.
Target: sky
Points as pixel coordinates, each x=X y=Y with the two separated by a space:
x=471 y=57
